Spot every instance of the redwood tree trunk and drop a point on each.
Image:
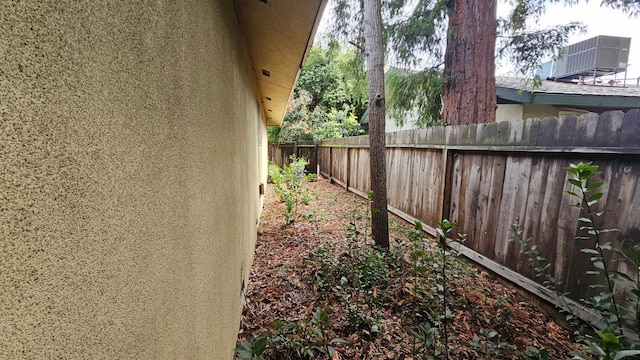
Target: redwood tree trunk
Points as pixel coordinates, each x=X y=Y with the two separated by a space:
x=470 y=87
x=374 y=53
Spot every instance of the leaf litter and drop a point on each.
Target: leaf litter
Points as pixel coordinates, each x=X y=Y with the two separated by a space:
x=489 y=318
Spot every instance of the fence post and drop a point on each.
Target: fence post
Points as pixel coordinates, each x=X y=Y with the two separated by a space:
x=446 y=186
x=348 y=167
x=330 y=173
x=317 y=156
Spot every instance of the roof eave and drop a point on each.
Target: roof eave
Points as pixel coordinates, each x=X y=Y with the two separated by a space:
x=527 y=97
x=279 y=36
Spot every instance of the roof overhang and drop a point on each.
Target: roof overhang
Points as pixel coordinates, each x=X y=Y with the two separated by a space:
x=279 y=36
x=509 y=95
x=592 y=97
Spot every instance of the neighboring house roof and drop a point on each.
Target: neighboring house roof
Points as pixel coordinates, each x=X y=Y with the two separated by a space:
x=598 y=97
x=279 y=35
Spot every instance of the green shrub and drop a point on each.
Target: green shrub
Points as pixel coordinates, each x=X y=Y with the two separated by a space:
x=290 y=186
x=293 y=340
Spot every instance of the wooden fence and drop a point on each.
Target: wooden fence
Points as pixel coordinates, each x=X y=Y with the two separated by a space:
x=279 y=154
x=486 y=177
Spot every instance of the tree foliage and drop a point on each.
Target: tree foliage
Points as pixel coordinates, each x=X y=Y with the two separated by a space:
x=328 y=100
x=415 y=95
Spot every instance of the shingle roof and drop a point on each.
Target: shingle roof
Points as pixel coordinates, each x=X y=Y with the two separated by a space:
x=555 y=87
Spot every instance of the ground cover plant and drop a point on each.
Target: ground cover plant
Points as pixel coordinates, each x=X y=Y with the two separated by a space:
x=320 y=290
x=289 y=186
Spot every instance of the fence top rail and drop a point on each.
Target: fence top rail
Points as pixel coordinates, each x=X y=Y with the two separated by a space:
x=298 y=144
x=610 y=132
x=507 y=148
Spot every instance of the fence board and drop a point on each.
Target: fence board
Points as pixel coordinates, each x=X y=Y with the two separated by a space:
x=566 y=230
x=456 y=187
x=512 y=208
x=339 y=165
x=359 y=170
x=432 y=176
x=398 y=162
x=473 y=167
x=490 y=196
x=324 y=161
x=533 y=211
x=550 y=211
x=280 y=153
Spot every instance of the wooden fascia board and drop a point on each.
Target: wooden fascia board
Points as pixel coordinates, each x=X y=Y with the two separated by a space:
x=518 y=96
x=527 y=97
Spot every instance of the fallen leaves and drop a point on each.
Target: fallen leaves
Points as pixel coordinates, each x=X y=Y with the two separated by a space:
x=283 y=286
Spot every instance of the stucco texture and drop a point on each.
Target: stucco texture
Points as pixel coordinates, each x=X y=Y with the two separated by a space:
x=129 y=171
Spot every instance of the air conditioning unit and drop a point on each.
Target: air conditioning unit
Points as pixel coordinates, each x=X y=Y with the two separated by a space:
x=546 y=70
x=601 y=55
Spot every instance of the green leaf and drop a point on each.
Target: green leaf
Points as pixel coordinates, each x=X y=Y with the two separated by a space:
x=609 y=338
x=622 y=275
x=625 y=353
x=594 y=186
x=245 y=351
x=261 y=344
x=331 y=351
x=598 y=265
x=603 y=231
x=575 y=182
x=572 y=168
x=590 y=251
x=606 y=246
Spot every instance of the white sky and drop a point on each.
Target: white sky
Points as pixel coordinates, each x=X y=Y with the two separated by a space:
x=599 y=21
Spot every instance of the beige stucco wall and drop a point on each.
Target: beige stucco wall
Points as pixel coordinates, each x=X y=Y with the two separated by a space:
x=508 y=112
x=538 y=111
x=129 y=173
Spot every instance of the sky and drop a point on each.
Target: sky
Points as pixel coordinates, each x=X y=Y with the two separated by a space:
x=599 y=21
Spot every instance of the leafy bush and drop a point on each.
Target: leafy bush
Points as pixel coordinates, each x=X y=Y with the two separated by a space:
x=294 y=341
x=290 y=186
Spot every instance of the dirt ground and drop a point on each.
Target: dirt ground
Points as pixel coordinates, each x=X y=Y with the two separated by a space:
x=490 y=319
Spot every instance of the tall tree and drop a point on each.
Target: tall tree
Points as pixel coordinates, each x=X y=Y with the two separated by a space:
x=469 y=62
x=374 y=58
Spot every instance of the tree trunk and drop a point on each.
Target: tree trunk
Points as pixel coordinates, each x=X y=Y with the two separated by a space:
x=374 y=54
x=470 y=87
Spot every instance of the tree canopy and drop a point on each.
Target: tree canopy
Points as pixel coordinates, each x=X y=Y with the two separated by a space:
x=329 y=98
